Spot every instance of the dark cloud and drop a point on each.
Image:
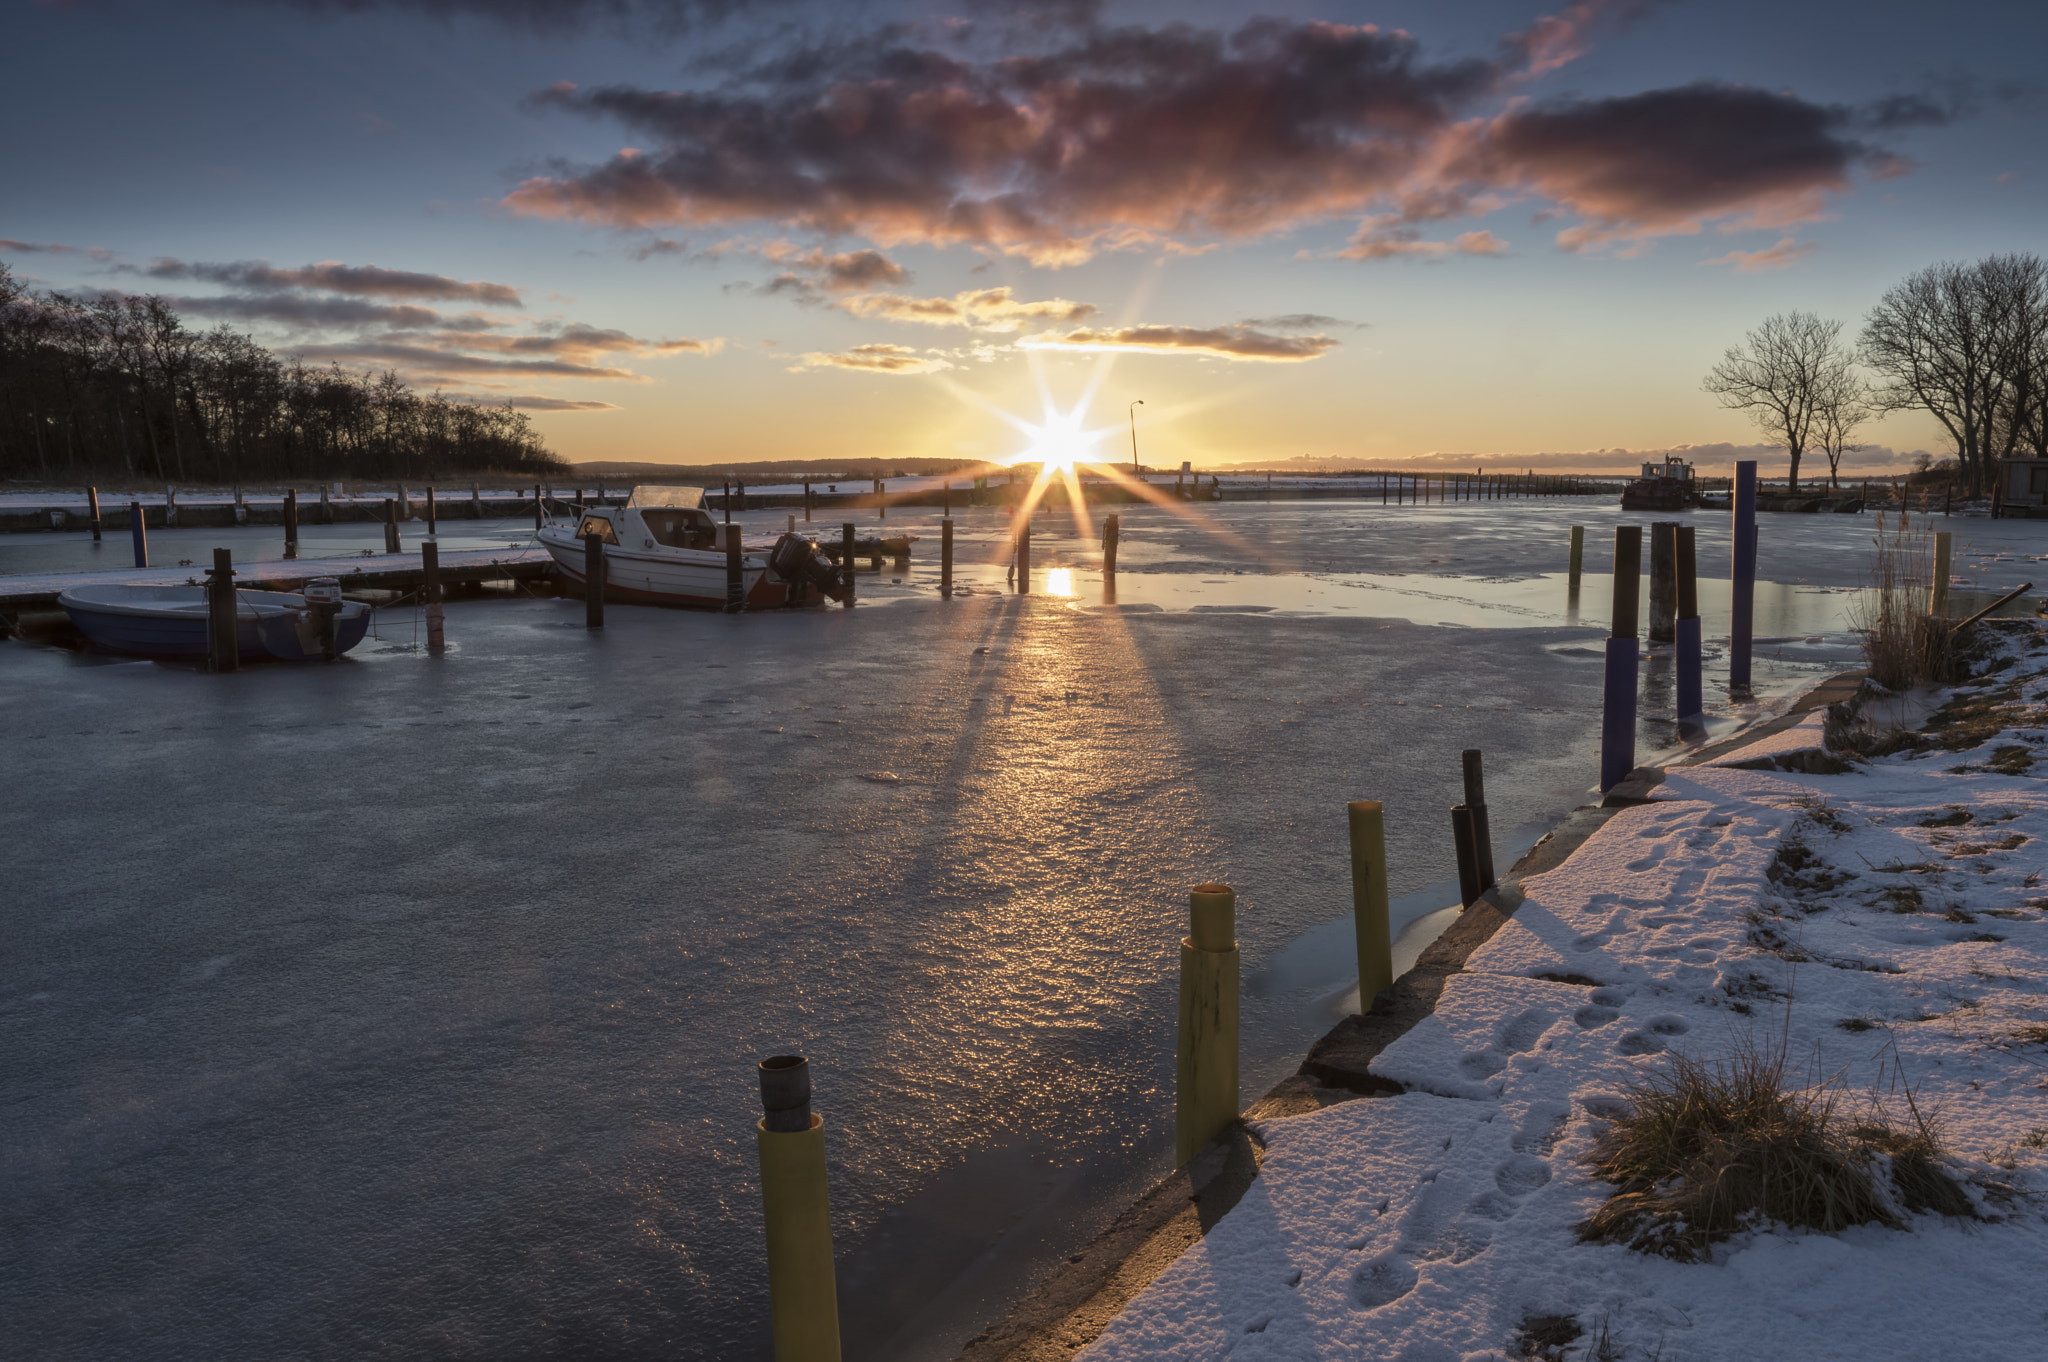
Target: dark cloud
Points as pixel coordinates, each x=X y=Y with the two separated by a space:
x=530 y=403
x=1667 y=160
x=295 y=309
x=1101 y=137
x=54 y=248
x=813 y=276
x=427 y=360
x=1217 y=342
x=578 y=342
x=662 y=19
x=1299 y=321
x=331 y=276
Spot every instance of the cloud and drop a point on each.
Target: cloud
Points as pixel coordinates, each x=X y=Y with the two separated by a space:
x=875 y=359
x=1220 y=342
x=1785 y=254
x=54 y=248
x=331 y=276
x=531 y=403
x=297 y=310
x=1299 y=321
x=576 y=342
x=1176 y=137
x=813 y=272
x=989 y=309
x=426 y=360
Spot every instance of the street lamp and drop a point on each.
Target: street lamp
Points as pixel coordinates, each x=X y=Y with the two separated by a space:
x=1137 y=470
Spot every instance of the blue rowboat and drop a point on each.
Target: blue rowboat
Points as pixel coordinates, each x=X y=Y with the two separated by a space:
x=170 y=621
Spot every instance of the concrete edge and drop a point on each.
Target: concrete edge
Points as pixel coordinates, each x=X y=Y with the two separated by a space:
x=1072 y=1306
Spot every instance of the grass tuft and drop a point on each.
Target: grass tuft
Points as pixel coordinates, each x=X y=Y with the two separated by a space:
x=1710 y=1148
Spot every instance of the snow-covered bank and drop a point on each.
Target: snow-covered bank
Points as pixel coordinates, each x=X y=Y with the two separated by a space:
x=1885 y=925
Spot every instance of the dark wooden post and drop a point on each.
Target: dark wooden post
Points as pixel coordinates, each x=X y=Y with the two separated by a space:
x=223 y=652
x=1112 y=527
x=735 y=573
x=476 y=502
x=1618 y=703
x=846 y=564
x=1482 y=827
x=1024 y=555
x=291 y=522
x=430 y=566
x=725 y=498
x=138 y=531
x=433 y=526
x=946 y=556
x=1663 y=581
x=536 y=506
x=92 y=496
x=390 y=525
x=593 y=581
x=807 y=503
x=1463 y=841
x=1690 y=697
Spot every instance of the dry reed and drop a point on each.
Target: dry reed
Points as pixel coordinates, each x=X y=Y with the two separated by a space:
x=1902 y=643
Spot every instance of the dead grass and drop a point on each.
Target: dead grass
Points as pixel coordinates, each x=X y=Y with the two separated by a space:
x=1902 y=645
x=1710 y=1148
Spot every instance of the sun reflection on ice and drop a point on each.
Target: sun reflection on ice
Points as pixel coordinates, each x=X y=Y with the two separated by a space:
x=1059 y=582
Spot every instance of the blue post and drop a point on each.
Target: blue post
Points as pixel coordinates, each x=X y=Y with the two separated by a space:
x=1691 y=702
x=1742 y=577
x=139 y=533
x=1618 y=700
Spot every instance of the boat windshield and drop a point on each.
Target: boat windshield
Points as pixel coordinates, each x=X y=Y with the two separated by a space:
x=657 y=495
x=599 y=526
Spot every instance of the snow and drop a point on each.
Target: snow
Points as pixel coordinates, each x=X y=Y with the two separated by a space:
x=1741 y=906
x=1808 y=735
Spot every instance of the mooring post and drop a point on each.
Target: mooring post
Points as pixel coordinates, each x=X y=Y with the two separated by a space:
x=1664 y=581
x=946 y=500
x=476 y=502
x=1944 y=564
x=803 y=1301
x=291 y=522
x=846 y=563
x=1690 y=697
x=326 y=506
x=223 y=650
x=593 y=581
x=1578 y=558
x=1024 y=555
x=1482 y=826
x=92 y=496
x=1369 y=900
x=139 y=533
x=536 y=506
x=735 y=572
x=1742 y=576
x=1205 y=1070
x=1618 y=708
x=433 y=525
x=1462 y=842
x=725 y=497
x=430 y=568
x=390 y=525
x=946 y=557
x=807 y=503
x=1112 y=529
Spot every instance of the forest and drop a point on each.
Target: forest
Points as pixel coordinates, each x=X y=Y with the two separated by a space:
x=116 y=387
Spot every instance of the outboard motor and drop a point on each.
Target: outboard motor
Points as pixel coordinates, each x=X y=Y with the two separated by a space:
x=796 y=559
x=323 y=598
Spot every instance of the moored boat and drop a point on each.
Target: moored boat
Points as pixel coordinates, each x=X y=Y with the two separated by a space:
x=663 y=548
x=171 y=621
x=1666 y=486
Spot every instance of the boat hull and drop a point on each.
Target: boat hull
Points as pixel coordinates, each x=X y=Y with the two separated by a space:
x=171 y=622
x=681 y=577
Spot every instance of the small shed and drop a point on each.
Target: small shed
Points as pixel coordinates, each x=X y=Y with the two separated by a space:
x=2023 y=487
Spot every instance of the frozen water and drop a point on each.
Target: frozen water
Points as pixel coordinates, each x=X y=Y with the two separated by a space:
x=411 y=1004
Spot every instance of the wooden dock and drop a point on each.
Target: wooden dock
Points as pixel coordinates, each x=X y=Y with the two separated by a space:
x=383 y=572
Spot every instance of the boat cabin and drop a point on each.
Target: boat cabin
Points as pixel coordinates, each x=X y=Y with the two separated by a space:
x=664 y=517
x=1678 y=470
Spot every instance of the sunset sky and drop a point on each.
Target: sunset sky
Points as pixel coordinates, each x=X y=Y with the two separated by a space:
x=1490 y=233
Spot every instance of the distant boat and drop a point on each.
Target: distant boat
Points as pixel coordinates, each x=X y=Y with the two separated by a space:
x=1666 y=486
x=662 y=547
x=171 y=621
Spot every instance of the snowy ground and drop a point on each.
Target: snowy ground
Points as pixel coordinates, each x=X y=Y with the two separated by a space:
x=1887 y=925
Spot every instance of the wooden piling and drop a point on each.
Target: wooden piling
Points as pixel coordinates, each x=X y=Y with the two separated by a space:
x=223 y=649
x=138 y=533
x=1482 y=826
x=593 y=581
x=1369 y=900
x=1628 y=583
x=430 y=571
x=92 y=496
x=807 y=503
x=1689 y=697
x=735 y=572
x=291 y=522
x=1742 y=575
x=1112 y=530
x=946 y=557
x=1578 y=558
x=1618 y=699
x=1024 y=555
x=846 y=575
x=1944 y=566
x=1462 y=841
x=1663 y=581
x=803 y=1300
x=476 y=502
x=1206 y=1058
x=432 y=524
x=390 y=525
x=537 y=513
x=326 y=506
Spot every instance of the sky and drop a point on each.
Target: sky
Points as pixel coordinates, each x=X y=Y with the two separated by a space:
x=1491 y=234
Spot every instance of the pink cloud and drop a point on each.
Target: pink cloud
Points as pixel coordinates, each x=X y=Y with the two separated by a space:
x=1786 y=253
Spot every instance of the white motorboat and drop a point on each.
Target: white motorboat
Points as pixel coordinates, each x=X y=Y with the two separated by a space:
x=663 y=548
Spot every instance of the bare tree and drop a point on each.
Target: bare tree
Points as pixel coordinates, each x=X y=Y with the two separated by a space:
x=1841 y=403
x=1776 y=375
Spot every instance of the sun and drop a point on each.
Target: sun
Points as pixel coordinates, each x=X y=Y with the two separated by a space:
x=1059 y=443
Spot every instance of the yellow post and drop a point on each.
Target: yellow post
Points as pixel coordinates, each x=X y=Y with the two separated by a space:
x=1944 y=564
x=802 y=1298
x=1369 y=900
x=1578 y=555
x=1205 y=1079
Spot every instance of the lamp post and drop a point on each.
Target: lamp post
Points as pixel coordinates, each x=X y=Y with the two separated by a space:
x=1137 y=470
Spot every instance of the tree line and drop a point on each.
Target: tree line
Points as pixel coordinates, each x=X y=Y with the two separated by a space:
x=1966 y=343
x=115 y=385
